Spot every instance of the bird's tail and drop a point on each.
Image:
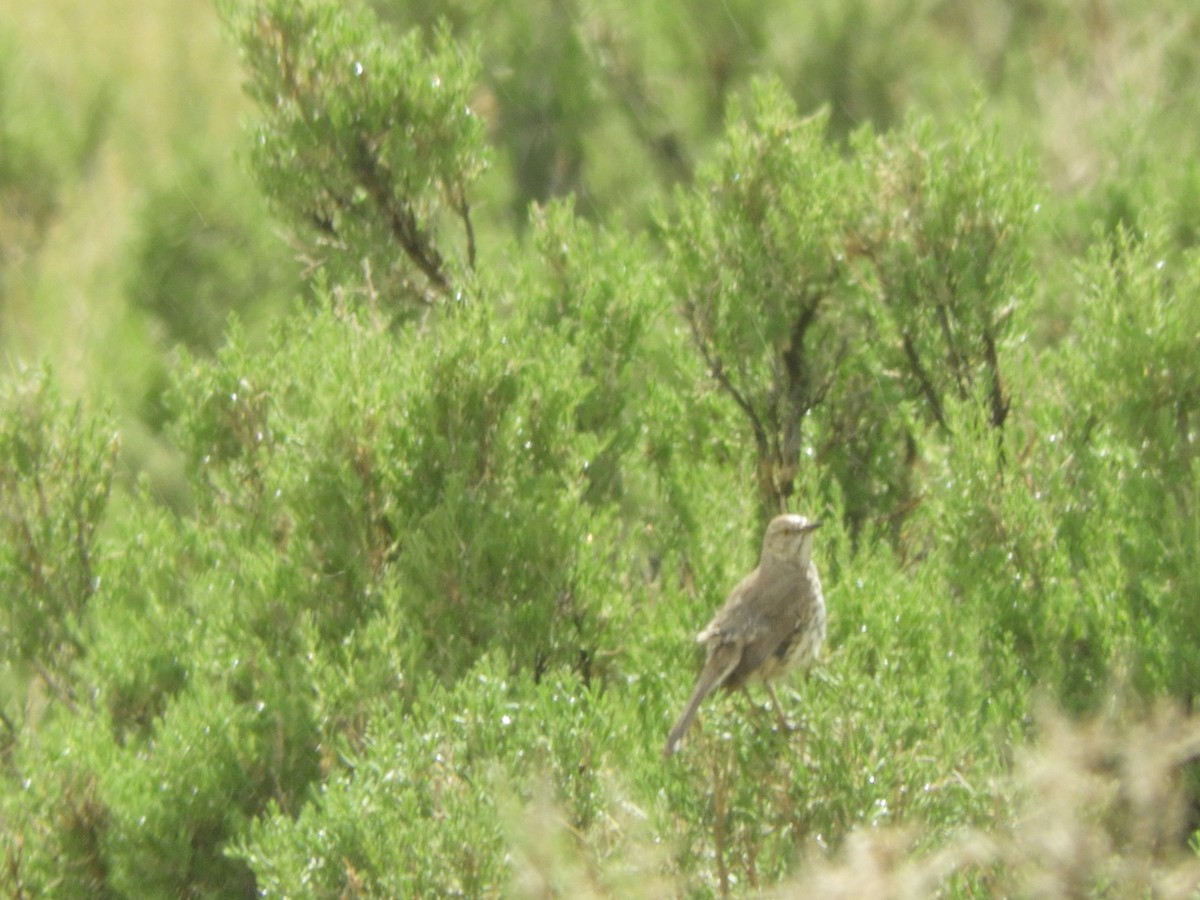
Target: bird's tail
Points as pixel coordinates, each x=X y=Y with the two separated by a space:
x=685 y=720
x=720 y=663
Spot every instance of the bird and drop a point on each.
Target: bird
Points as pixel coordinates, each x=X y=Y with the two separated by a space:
x=772 y=622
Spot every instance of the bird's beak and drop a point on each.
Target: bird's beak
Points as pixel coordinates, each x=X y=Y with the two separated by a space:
x=813 y=526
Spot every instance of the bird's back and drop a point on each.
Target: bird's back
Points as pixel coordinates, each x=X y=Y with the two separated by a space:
x=776 y=614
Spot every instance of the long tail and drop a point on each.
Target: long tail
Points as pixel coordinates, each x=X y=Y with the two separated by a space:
x=720 y=663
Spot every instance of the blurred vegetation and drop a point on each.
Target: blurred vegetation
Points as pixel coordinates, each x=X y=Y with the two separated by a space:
x=390 y=394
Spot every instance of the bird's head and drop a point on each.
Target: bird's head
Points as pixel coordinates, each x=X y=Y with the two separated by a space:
x=789 y=539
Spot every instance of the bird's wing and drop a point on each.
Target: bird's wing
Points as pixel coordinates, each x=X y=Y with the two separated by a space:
x=763 y=618
x=739 y=618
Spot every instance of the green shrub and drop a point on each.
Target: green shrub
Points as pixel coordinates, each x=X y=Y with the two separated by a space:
x=367 y=145
x=56 y=470
x=425 y=618
x=842 y=303
x=1133 y=441
x=419 y=810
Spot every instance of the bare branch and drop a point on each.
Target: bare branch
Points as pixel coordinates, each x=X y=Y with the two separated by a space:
x=926 y=384
x=402 y=220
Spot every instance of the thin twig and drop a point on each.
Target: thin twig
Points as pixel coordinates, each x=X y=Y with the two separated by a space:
x=717 y=369
x=463 y=208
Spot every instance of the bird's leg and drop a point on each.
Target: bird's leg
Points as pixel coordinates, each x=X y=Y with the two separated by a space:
x=752 y=701
x=784 y=726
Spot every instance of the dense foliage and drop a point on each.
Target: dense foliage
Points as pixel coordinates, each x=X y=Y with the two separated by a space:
x=373 y=569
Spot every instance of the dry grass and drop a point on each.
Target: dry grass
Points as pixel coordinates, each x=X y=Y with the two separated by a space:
x=1099 y=810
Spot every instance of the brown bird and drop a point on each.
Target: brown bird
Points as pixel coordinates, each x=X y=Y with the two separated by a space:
x=773 y=621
